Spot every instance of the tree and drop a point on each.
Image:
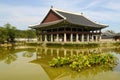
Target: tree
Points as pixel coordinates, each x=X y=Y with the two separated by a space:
x=7 y=33
x=10 y=31
x=31 y=33
x=3 y=34
x=25 y=34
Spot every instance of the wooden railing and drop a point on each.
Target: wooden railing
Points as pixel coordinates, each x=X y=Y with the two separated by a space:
x=69 y=32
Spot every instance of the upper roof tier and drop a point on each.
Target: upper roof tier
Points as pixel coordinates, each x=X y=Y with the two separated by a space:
x=56 y=16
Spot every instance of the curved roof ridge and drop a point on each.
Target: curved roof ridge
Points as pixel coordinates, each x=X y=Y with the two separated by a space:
x=58 y=13
x=80 y=14
x=55 y=9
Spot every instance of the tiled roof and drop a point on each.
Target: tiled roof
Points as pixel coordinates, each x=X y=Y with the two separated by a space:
x=79 y=19
x=73 y=18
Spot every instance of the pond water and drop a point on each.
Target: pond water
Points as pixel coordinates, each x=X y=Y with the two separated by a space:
x=32 y=64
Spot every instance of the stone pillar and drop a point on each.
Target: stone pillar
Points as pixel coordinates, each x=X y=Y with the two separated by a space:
x=100 y=37
x=45 y=38
x=51 y=37
x=57 y=38
x=40 y=38
x=92 y=37
x=96 y=38
x=88 y=38
x=76 y=37
x=64 y=37
x=71 y=37
x=82 y=39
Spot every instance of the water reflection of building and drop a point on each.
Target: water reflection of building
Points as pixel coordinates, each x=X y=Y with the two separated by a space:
x=55 y=52
x=44 y=55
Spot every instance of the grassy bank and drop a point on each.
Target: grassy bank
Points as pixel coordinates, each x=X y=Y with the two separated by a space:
x=72 y=45
x=68 y=45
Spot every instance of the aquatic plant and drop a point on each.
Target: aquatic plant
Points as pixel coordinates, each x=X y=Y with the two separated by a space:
x=60 y=61
x=82 y=61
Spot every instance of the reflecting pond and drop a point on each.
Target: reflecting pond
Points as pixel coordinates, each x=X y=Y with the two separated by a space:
x=31 y=63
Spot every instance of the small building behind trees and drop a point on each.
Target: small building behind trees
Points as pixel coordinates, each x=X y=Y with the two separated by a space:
x=63 y=26
x=116 y=37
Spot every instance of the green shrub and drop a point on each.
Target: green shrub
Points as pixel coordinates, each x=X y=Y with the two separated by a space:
x=82 y=61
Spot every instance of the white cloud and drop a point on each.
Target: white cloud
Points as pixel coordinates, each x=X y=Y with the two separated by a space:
x=113 y=6
x=91 y=4
x=102 y=11
x=21 y=16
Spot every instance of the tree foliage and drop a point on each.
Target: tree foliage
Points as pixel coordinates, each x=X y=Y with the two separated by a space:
x=25 y=34
x=3 y=36
x=8 y=33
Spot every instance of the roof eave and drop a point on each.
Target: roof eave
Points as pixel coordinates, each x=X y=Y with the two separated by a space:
x=33 y=26
x=99 y=26
x=46 y=24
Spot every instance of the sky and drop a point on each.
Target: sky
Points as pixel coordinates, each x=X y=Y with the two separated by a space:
x=22 y=13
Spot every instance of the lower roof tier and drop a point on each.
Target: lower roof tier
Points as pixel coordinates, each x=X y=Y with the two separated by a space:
x=63 y=24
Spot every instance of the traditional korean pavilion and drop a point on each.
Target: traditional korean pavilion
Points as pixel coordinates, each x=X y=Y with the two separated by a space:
x=63 y=26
